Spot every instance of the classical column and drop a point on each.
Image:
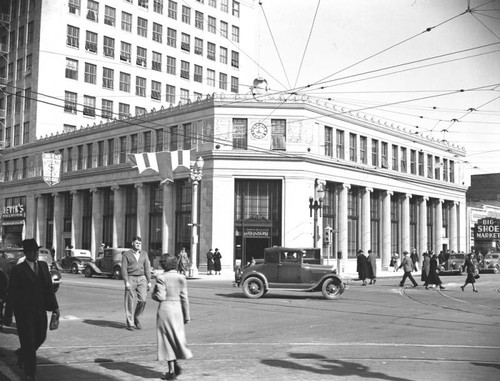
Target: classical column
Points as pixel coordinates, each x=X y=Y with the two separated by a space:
x=142 y=209
x=386 y=229
x=366 y=220
x=118 y=217
x=438 y=226
x=96 y=225
x=453 y=227
x=342 y=224
x=30 y=222
x=405 y=223
x=423 y=244
x=57 y=232
x=167 y=218
x=76 y=219
x=40 y=219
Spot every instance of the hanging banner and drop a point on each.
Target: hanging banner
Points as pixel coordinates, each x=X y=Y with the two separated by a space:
x=51 y=168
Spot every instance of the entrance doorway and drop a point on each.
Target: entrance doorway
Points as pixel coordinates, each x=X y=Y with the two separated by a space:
x=254 y=248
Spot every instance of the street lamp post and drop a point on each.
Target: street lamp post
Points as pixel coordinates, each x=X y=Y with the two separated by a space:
x=314 y=206
x=196 y=173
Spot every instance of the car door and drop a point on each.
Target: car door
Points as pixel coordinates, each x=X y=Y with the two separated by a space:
x=290 y=270
x=65 y=261
x=107 y=261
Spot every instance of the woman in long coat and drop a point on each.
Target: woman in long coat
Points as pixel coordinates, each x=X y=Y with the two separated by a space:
x=210 y=262
x=362 y=267
x=471 y=272
x=372 y=267
x=173 y=313
x=433 y=277
x=425 y=267
x=217 y=264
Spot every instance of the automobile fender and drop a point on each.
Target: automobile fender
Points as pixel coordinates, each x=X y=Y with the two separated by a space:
x=96 y=269
x=318 y=286
x=257 y=275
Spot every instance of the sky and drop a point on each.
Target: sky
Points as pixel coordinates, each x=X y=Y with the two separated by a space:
x=432 y=66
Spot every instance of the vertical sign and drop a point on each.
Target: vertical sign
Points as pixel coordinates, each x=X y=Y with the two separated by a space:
x=51 y=168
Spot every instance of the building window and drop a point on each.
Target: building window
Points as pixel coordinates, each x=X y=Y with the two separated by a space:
x=19 y=68
x=385 y=155
x=212 y=24
x=125 y=82
x=158 y=6
x=170 y=94
x=108 y=78
x=430 y=169
x=123 y=110
x=212 y=3
x=198 y=46
x=171 y=37
x=111 y=151
x=109 y=47
x=171 y=65
x=90 y=73
x=70 y=102
x=79 y=157
x=90 y=154
x=172 y=9
x=235 y=33
x=224 y=6
x=198 y=20
x=413 y=162
x=27 y=99
x=235 y=85
x=122 y=157
x=185 y=69
x=88 y=105
x=437 y=168
x=445 y=170
x=142 y=27
x=140 y=111
x=156 y=61
x=363 y=149
x=92 y=10
x=109 y=16
x=91 y=42
x=134 y=143
x=107 y=109
x=73 y=36
x=224 y=29
x=240 y=137
x=140 y=86
x=100 y=153
x=174 y=136
x=328 y=141
x=125 y=52
x=157 y=32
x=147 y=141
x=395 y=157
x=187 y=136
x=353 y=147
x=235 y=59
x=185 y=42
x=198 y=73
x=156 y=90
x=375 y=152
x=223 y=55
x=452 y=171
x=211 y=77
x=159 y=140
x=69 y=161
x=74 y=7
x=20 y=37
x=278 y=134
x=421 y=164
x=143 y=3
x=141 y=59
x=186 y=14
x=17 y=135
x=71 y=69
x=184 y=95
x=31 y=31
x=340 y=144
x=126 y=22
x=222 y=81
x=211 y=51
x=26 y=132
x=236 y=9
x=404 y=160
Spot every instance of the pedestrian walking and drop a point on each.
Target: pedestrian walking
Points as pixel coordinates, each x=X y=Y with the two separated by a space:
x=415 y=259
x=183 y=262
x=210 y=262
x=362 y=267
x=30 y=295
x=394 y=261
x=136 y=274
x=433 y=277
x=217 y=258
x=372 y=267
x=471 y=272
x=407 y=265
x=173 y=313
x=425 y=267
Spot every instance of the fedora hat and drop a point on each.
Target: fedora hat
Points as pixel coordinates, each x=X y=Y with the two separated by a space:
x=30 y=245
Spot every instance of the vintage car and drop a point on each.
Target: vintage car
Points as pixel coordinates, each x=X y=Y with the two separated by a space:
x=108 y=262
x=74 y=260
x=491 y=262
x=289 y=269
x=454 y=264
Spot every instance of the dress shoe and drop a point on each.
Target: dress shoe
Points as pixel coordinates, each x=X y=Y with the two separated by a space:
x=442 y=288
x=177 y=369
x=20 y=362
x=415 y=285
x=169 y=376
x=130 y=328
x=462 y=287
x=138 y=325
x=475 y=290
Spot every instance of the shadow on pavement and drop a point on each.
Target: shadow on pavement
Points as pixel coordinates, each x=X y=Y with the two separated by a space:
x=329 y=367
x=105 y=323
x=130 y=368
x=489 y=365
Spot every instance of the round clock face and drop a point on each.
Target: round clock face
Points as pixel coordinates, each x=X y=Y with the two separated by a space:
x=259 y=130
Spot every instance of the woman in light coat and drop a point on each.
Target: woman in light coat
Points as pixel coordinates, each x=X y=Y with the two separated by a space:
x=425 y=267
x=173 y=313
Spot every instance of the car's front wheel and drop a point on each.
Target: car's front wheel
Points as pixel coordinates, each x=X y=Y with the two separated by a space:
x=331 y=288
x=253 y=288
x=496 y=269
x=74 y=268
x=117 y=273
x=88 y=272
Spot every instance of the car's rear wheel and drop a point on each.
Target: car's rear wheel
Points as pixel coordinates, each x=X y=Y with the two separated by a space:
x=331 y=288
x=74 y=268
x=496 y=269
x=253 y=288
x=117 y=273
x=88 y=272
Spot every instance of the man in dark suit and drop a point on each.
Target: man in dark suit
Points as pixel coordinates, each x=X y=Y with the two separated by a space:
x=30 y=295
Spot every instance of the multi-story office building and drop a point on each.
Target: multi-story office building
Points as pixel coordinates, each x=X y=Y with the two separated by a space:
x=378 y=186
x=64 y=64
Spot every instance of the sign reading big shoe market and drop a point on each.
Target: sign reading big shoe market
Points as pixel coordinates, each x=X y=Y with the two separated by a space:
x=487 y=229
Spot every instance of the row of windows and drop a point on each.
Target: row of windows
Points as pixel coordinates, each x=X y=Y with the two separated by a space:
x=21 y=135
x=379 y=155
x=18 y=102
x=109 y=48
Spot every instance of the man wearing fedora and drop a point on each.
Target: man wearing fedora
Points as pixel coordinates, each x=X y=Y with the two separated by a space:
x=30 y=295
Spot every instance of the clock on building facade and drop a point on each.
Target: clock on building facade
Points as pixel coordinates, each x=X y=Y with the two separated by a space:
x=259 y=130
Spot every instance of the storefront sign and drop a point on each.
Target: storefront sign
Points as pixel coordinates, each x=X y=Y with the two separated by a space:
x=487 y=229
x=257 y=232
x=14 y=211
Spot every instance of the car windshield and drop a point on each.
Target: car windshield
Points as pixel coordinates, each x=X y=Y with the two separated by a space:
x=457 y=256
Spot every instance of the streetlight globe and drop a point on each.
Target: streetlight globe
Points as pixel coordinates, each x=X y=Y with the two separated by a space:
x=200 y=162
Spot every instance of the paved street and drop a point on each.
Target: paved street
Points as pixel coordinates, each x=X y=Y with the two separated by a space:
x=380 y=332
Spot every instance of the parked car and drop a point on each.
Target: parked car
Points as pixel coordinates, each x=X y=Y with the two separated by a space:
x=74 y=260
x=108 y=262
x=454 y=264
x=491 y=262
x=290 y=269
x=45 y=255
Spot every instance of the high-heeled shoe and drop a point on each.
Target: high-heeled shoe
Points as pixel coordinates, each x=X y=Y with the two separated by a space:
x=462 y=287
x=177 y=369
x=475 y=290
x=442 y=288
